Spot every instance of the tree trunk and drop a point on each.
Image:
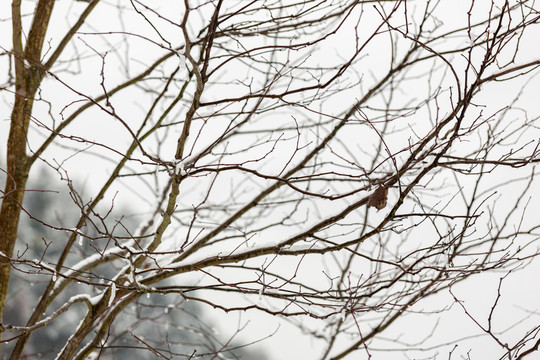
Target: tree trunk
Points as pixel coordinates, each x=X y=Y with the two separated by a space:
x=27 y=80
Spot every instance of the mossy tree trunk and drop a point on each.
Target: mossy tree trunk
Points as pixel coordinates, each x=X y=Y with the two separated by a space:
x=28 y=74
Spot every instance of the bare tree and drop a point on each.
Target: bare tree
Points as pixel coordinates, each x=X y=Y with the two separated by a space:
x=345 y=165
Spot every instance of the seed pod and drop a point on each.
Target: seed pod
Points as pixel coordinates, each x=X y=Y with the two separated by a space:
x=378 y=198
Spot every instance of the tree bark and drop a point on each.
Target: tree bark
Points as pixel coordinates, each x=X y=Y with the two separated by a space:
x=28 y=75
